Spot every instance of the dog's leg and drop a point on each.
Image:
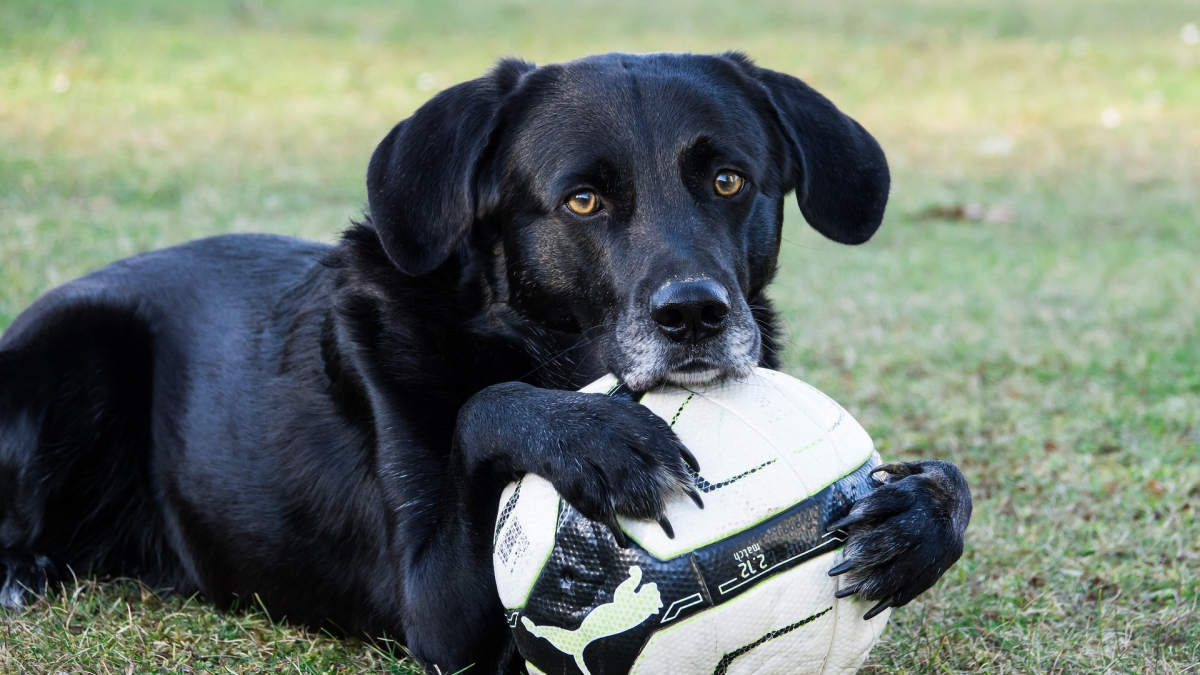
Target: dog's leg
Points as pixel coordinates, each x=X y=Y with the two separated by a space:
x=74 y=436
x=906 y=534
x=22 y=572
x=605 y=455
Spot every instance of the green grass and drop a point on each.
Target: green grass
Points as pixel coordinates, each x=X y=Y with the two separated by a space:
x=1052 y=351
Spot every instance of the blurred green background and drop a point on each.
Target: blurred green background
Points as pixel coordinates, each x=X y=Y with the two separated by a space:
x=1030 y=309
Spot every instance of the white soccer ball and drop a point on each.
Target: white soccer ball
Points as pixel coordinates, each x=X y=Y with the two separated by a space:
x=744 y=585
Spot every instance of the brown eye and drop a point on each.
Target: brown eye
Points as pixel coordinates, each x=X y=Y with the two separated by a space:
x=728 y=183
x=584 y=203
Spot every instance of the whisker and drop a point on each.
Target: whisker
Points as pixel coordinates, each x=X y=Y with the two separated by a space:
x=811 y=248
x=551 y=358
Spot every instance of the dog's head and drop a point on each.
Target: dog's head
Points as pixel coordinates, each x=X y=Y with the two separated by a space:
x=636 y=199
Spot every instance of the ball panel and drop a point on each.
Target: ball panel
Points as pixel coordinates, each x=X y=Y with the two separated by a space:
x=734 y=564
x=785 y=617
x=814 y=404
x=816 y=463
x=603 y=385
x=742 y=479
x=846 y=432
x=785 y=417
x=596 y=603
x=524 y=537
x=853 y=637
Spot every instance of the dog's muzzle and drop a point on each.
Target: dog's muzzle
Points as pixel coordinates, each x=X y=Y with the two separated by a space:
x=695 y=332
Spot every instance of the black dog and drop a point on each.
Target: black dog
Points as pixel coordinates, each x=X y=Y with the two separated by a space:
x=330 y=428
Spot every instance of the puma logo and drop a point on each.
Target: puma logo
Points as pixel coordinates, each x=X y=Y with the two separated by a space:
x=628 y=609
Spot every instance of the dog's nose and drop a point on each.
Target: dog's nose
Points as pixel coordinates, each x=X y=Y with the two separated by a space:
x=690 y=311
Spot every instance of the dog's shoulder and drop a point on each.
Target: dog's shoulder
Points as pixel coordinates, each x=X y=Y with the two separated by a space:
x=451 y=327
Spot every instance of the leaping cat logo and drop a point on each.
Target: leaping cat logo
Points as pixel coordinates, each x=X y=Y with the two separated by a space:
x=628 y=609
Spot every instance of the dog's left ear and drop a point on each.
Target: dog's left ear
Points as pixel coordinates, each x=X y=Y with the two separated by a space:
x=838 y=170
x=420 y=181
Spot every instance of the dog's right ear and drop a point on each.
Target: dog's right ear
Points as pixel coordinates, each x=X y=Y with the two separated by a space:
x=420 y=182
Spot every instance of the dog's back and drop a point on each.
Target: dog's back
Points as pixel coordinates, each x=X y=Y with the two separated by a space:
x=96 y=378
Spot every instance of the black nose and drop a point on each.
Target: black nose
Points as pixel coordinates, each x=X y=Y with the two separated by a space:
x=690 y=311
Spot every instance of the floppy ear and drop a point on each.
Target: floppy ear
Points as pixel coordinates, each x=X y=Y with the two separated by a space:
x=838 y=170
x=420 y=181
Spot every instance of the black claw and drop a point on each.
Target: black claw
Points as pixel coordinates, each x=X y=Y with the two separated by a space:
x=691 y=492
x=690 y=460
x=852 y=519
x=899 y=469
x=617 y=534
x=666 y=526
x=847 y=591
x=883 y=604
x=846 y=566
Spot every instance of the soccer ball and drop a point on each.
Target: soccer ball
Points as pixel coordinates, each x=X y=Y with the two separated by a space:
x=744 y=585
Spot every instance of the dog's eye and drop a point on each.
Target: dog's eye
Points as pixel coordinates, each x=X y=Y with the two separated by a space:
x=584 y=203
x=728 y=183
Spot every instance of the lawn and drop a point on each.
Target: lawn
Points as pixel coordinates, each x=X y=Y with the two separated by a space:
x=1030 y=309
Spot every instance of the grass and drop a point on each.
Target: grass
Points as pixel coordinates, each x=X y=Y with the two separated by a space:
x=1050 y=347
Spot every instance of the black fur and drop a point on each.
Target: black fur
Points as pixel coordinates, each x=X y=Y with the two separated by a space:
x=329 y=428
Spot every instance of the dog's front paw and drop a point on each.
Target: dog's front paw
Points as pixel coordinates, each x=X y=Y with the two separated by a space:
x=613 y=457
x=903 y=536
x=607 y=456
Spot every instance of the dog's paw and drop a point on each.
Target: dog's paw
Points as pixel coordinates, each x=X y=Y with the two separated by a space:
x=614 y=457
x=606 y=455
x=903 y=536
x=21 y=577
